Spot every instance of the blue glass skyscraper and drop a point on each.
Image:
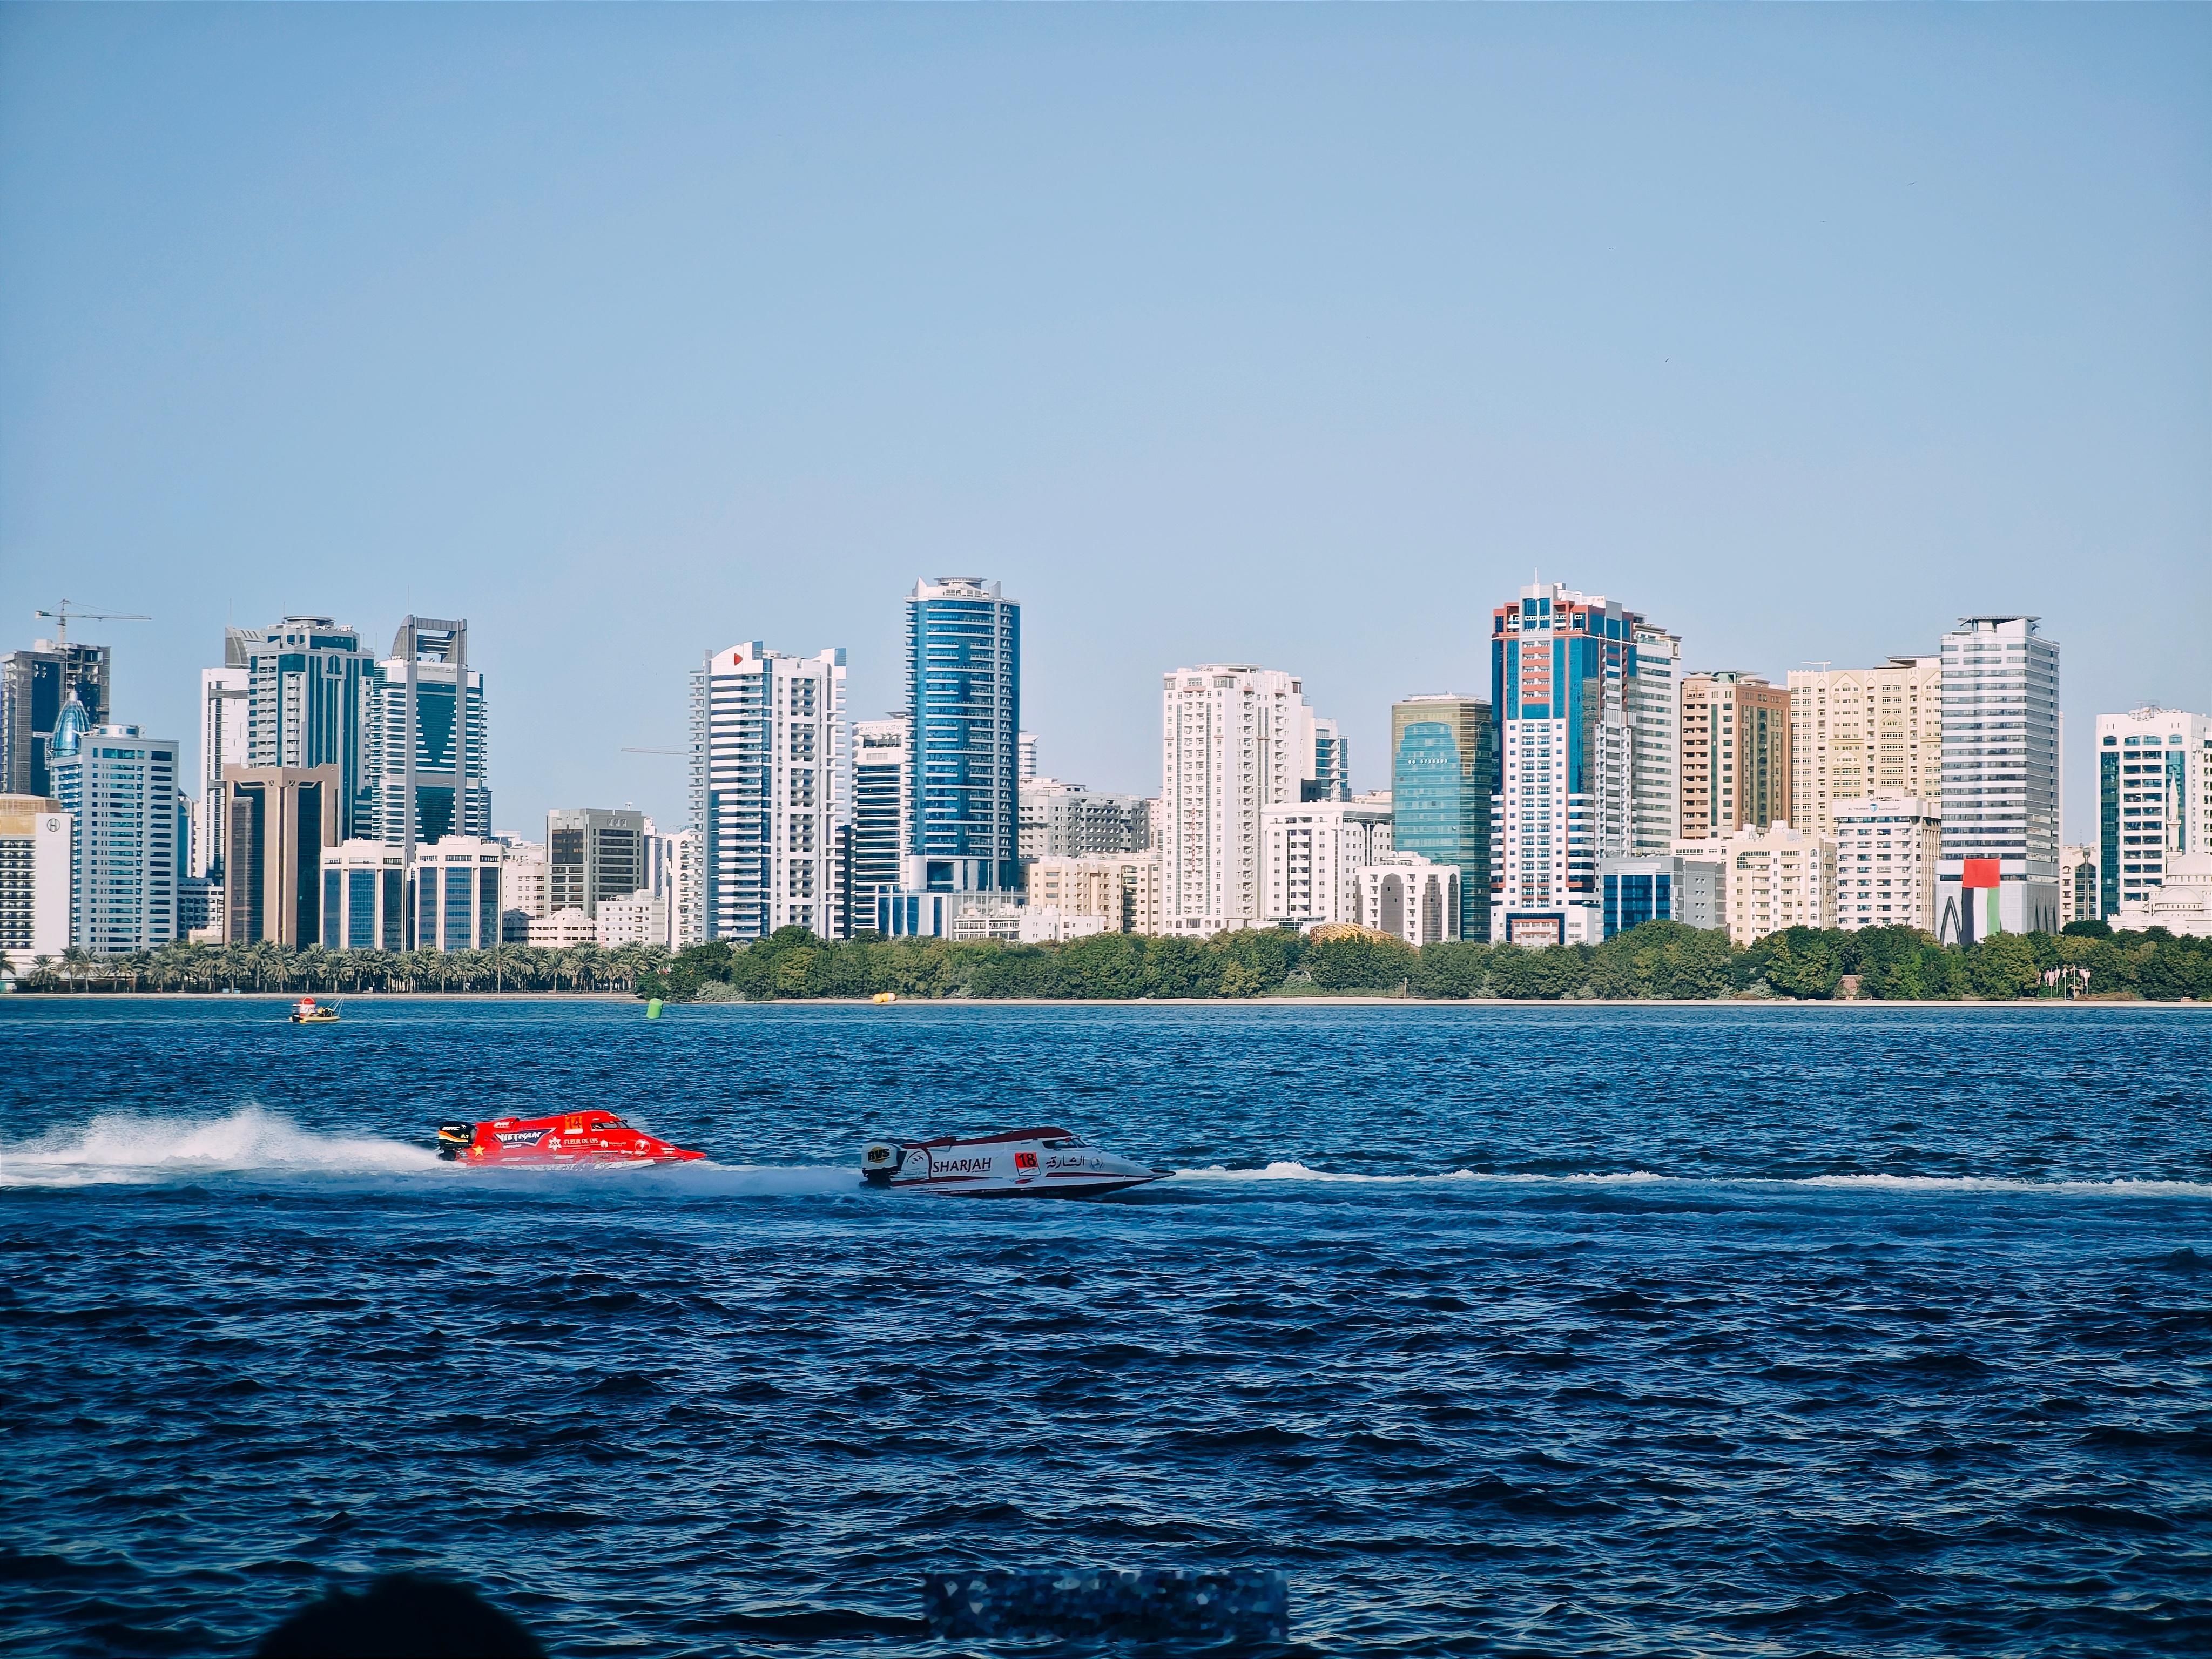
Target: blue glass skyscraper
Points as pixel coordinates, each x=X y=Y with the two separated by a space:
x=1441 y=767
x=963 y=686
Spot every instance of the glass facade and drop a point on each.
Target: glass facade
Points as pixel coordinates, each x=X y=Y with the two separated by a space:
x=361 y=910
x=963 y=717
x=1633 y=899
x=1441 y=768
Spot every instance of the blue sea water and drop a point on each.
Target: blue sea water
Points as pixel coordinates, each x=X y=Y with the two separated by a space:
x=1546 y=1330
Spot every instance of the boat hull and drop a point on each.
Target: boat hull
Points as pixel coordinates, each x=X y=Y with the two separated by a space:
x=572 y=1140
x=1020 y=1164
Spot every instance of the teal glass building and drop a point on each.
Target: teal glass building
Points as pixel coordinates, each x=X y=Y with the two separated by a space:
x=964 y=684
x=1441 y=769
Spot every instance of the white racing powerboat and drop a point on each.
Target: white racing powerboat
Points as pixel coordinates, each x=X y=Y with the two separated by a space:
x=1048 y=1162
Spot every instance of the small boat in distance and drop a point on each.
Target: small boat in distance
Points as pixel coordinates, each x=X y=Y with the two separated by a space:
x=309 y=1012
x=1042 y=1162
x=568 y=1141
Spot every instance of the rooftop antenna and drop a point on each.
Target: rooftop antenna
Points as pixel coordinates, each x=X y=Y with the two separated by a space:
x=60 y=618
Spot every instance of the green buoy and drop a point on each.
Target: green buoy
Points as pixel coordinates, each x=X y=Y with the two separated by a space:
x=652 y=1007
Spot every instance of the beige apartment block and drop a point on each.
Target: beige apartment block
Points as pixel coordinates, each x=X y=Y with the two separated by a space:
x=1885 y=851
x=1862 y=732
x=1735 y=754
x=1770 y=879
x=1123 y=888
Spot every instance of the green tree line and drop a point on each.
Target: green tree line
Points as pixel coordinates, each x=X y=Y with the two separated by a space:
x=192 y=966
x=1661 y=959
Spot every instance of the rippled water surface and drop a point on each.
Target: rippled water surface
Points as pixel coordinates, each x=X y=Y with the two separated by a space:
x=1554 y=1330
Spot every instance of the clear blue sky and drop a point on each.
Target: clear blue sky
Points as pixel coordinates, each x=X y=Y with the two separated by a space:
x=1295 y=335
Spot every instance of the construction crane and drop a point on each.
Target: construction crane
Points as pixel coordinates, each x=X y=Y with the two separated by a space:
x=60 y=618
x=678 y=753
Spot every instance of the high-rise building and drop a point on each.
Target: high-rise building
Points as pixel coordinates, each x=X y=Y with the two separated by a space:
x=1654 y=699
x=280 y=820
x=1025 y=756
x=1067 y=821
x=1332 y=767
x=1887 y=847
x=308 y=682
x=1735 y=754
x=1770 y=879
x=882 y=793
x=1441 y=768
x=1310 y=856
x=120 y=788
x=226 y=739
x=2154 y=799
x=2078 y=886
x=1235 y=739
x=964 y=684
x=423 y=744
x=593 y=854
x=687 y=914
x=1860 y=731
x=771 y=789
x=35 y=685
x=36 y=841
x=1999 y=869
x=1564 y=668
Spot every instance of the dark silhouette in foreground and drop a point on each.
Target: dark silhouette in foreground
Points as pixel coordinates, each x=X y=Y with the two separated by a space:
x=402 y=1616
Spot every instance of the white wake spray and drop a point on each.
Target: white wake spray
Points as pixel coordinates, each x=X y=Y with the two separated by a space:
x=120 y=1147
x=2118 y=1186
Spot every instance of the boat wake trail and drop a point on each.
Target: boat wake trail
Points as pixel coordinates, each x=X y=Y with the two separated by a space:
x=124 y=1147
x=2114 y=1188
x=251 y=1142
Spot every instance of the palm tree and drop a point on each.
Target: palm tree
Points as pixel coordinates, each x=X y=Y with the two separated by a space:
x=75 y=960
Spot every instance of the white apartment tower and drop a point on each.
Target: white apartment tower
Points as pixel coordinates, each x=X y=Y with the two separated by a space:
x=120 y=789
x=1860 y=731
x=1234 y=738
x=1654 y=720
x=2154 y=799
x=1311 y=853
x=36 y=838
x=1885 y=851
x=771 y=787
x=882 y=799
x=1999 y=869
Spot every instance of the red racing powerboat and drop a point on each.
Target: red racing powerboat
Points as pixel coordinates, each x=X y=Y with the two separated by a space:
x=569 y=1141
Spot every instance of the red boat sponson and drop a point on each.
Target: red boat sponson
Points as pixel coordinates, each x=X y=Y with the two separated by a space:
x=567 y=1140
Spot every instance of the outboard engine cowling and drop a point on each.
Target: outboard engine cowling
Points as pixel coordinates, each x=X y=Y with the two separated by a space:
x=879 y=1161
x=454 y=1139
